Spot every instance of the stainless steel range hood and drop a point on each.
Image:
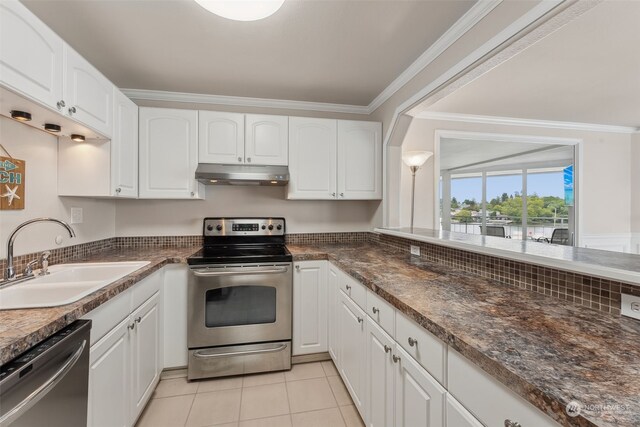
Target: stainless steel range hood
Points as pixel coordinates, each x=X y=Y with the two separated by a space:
x=210 y=174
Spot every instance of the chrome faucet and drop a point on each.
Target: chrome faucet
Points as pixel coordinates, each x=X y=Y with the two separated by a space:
x=10 y=274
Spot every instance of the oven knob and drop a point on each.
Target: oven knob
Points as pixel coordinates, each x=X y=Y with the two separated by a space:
x=219 y=227
x=264 y=226
x=279 y=227
x=270 y=226
x=210 y=227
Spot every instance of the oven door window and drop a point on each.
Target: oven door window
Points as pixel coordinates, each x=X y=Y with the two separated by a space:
x=240 y=305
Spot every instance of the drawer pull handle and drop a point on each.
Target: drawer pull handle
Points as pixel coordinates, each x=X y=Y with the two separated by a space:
x=412 y=342
x=297 y=268
x=375 y=310
x=387 y=349
x=132 y=326
x=360 y=319
x=138 y=319
x=509 y=423
x=395 y=358
x=348 y=287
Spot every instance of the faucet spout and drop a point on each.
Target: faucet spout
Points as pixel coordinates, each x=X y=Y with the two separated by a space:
x=10 y=274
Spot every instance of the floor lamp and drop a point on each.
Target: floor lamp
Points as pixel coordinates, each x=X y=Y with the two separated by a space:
x=414 y=159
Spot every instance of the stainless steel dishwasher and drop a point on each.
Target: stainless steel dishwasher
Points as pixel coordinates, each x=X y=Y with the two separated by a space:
x=48 y=384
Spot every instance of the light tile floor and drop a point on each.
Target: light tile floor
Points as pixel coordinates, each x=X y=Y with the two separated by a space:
x=310 y=395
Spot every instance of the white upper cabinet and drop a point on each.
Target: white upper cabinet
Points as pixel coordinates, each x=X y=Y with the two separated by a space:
x=267 y=140
x=220 y=137
x=31 y=55
x=359 y=160
x=312 y=158
x=88 y=95
x=168 y=154
x=124 y=147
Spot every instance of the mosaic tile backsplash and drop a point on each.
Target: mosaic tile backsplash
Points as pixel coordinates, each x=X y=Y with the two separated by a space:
x=589 y=291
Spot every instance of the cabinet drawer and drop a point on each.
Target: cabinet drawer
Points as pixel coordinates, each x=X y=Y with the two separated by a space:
x=422 y=345
x=489 y=400
x=144 y=289
x=108 y=315
x=354 y=290
x=381 y=312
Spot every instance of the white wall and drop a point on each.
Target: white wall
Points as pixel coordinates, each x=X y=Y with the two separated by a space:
x=40 y=151
x=172 y=217
x=607 y=175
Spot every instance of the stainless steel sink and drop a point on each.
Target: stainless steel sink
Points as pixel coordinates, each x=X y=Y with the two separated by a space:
x=65 y=284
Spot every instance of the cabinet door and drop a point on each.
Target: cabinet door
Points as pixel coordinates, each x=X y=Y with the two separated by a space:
x=310 y=307
x=220 y=137
x=380 y=377
x=109 y=386
x=332 y=311
x=458 y=416
x=353 y=350
x=359 y=160
x=37 y=71
x=168 y=153
x=266 y=140
x=420 y=400
x=87 y=93
x=145 y=353
x=312 y=158
x=124 y=147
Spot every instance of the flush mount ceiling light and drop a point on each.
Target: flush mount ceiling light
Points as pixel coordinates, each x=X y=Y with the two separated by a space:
x=50 y=127
x=77 y=138
x=22 y=116
x=242 y=10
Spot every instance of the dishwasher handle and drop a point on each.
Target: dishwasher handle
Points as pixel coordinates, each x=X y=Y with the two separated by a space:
x=44 y=388
x=238 y=272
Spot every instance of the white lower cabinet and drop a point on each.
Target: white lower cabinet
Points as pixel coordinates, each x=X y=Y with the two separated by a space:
x=333 y=282
x=380 y=396
x=125 y=364
x=352 y=343
x=309 y=308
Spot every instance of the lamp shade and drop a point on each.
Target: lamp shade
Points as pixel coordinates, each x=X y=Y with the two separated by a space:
x=416 y=158
x=242 y=10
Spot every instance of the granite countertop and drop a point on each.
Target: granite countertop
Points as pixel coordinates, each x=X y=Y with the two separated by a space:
x=608 y=264
x=547 y=350
x=21 y=329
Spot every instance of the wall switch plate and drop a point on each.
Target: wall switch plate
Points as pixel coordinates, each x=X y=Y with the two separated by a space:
x=415 y=250
x=631 y=306
x=76 y=215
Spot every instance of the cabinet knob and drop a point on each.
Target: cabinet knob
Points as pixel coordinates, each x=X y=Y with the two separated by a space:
x=360 y=320
x=118 y=190
x=248 y=159
x=412 y=342
x=509 y=423
x=193 y=194
x=333 y=194
x=348 y=287
x=375 y=310
x=297 y=268
x=387 y=349
x=138 y=319
x=341 y=194
x=240 y=159
x=60 y=104
x=132 y=326
x=72 y=110
x=395 y=358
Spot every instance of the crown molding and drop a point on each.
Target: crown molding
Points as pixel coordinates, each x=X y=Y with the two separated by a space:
x=474 y=15
x=513 y=121
x=239 y=101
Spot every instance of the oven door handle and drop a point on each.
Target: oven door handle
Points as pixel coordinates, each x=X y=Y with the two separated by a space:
x=238 y=272
x=203 y=354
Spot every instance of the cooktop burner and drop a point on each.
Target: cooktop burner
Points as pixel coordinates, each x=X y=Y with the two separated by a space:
x=242 y=241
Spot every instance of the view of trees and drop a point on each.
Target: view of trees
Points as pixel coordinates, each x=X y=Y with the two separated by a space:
x=538 y=208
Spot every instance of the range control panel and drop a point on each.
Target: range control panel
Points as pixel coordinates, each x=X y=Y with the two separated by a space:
x=244 y=227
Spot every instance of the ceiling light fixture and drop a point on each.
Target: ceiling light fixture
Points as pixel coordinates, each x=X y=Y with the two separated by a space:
x=50 y=127
x=21 y=116
x=242 y=10
x=77 y=138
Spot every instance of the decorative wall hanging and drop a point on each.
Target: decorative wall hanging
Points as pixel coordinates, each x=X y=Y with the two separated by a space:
x=12 y=180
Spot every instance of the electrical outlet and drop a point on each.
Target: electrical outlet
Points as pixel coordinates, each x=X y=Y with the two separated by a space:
x=415 y=250
x=76 y=215
x=631 y=306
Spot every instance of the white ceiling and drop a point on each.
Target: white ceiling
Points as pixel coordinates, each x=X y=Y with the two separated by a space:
x=586 y=72
x=459 y=153
x=343 y=52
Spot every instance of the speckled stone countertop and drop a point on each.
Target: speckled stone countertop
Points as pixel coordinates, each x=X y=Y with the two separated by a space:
x=21 y=329
x=547 y=350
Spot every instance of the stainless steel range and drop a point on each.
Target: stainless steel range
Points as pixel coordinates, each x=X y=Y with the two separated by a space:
x=240 y=299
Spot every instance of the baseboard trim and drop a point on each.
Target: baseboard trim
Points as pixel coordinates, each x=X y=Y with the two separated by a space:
x=307 y=358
